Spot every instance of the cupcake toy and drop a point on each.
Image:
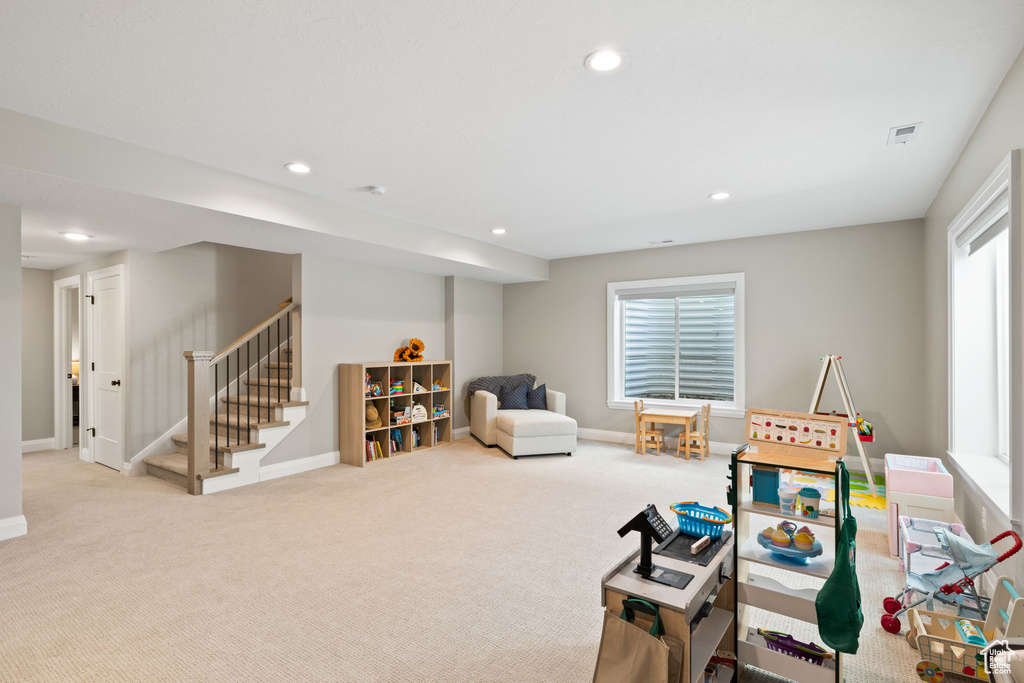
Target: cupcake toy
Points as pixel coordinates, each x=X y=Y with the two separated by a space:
x=767 y=533
x=803 y=541
x=780 y=538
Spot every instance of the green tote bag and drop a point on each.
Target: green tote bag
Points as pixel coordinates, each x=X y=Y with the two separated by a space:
x=838 y=602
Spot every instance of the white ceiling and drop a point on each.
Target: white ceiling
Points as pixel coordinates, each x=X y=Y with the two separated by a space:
x=481 y=114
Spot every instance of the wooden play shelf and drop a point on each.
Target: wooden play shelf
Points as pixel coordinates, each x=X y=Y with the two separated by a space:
x=353 y=401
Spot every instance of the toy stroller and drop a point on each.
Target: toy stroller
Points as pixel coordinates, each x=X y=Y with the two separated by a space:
x=951 y=583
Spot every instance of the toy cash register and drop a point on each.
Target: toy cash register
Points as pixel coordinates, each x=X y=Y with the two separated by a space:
x=652 y=525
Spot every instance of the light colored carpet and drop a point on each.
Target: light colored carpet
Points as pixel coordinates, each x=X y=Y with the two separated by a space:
x=459 y=564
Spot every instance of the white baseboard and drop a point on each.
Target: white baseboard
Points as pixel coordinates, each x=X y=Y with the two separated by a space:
x=37 y=445
x=289 y=467
x=163 y=444
x=12 y=527
x=459 y=433
x=84 y=454
x=628 y=439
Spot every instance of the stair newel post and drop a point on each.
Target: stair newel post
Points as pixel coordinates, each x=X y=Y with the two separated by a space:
x=198 y=418
x=295 y=371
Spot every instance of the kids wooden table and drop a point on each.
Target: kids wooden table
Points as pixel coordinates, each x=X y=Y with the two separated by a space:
x=678 y=416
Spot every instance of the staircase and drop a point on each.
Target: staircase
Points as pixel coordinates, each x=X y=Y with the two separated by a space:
x=253 y=405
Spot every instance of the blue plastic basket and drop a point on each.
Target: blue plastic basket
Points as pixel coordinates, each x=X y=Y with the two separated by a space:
x=697 y=520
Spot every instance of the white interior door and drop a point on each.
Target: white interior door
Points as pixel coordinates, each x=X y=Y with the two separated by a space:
x=107 y=349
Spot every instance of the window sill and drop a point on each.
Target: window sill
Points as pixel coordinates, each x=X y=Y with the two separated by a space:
x=988 y=478
x=716 y=410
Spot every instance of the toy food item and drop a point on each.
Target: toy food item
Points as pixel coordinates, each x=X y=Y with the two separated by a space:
x=768 y=532
x=793 y=427
x=803 y=541
x=780 y=538
x=833 y=432
x=778 y=438
x=817 y=443
x=792 y=439
x=807 y=429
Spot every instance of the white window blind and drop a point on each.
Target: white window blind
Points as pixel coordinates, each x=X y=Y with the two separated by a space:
x=680 y=347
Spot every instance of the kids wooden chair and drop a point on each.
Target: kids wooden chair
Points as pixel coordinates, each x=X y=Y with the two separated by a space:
x=698 y=437
x=655 y=435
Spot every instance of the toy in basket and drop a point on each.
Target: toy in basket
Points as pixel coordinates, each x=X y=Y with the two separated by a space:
x=948 y=644
x=788 y=645
x=790 y=544
x=697 y=520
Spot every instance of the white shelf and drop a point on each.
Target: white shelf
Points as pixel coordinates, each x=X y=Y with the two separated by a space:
x=704 y=641
x=827 y=522
x=816 y=566
x=768 y=594
x=752 y=651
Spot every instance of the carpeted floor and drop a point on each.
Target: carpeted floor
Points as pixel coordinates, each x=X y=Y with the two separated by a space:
x=456 y=565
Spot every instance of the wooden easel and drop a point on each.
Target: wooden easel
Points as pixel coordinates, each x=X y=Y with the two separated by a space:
x=832 y=362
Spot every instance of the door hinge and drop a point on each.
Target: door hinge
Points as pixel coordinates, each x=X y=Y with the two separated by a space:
x=92 y=431
x=93 y=366
x=91 y=298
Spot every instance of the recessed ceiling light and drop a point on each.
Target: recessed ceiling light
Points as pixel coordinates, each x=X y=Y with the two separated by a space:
x=77 y=236
x=298 y=167
x=498 y=231
x=719 y=195
x=603 y=60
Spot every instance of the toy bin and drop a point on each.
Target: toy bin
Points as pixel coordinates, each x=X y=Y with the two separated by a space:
x=916 y=487
x=697 y=520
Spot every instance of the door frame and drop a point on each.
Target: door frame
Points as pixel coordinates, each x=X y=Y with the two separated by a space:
x=63 y=436
x=122 y=271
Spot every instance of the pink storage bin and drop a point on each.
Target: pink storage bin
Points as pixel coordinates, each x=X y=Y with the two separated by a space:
x=916 y=487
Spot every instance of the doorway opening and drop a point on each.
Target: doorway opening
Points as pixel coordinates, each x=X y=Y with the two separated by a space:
x=69 y=364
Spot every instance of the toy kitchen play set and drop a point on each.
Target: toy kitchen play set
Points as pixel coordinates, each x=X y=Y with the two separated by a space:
x=699 y=582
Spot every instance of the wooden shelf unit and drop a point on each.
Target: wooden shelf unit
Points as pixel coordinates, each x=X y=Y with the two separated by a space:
x=753 y=590
x=352 y=402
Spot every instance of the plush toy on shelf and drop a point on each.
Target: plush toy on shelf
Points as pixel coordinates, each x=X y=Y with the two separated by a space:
x=413 y=353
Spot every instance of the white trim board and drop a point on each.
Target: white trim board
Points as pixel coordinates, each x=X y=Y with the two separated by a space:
x=163 y=444
x=12 y=527
x=459 y=433
x=37 y=445
x=290 y=467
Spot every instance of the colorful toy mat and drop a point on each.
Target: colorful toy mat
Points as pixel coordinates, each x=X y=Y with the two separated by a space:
x=859 y=495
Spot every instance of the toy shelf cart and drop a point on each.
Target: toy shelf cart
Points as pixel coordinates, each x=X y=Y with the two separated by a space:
x=763 y=571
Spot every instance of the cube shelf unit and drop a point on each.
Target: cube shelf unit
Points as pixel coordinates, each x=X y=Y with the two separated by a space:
x=754 y=590
x=352 y=403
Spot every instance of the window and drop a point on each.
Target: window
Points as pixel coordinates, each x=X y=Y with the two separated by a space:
x=677 y=341
x=984 y=375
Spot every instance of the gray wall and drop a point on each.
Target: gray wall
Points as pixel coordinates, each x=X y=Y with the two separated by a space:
x=353 y=313
x=558 y=329
x=37 y=354
x=472 y=335
x=1000 y=130
x=10 y=369
x=200 y=297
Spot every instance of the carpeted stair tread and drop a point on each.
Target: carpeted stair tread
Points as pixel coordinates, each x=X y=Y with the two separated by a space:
x=255 y=400
x=279 y=365
x=241 y=421
x=226 y=445
x=178 y=464
x=279 y=382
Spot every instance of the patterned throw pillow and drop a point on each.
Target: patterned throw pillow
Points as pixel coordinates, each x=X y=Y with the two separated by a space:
x=514 y=399
x=537 y=398
x=495 y=384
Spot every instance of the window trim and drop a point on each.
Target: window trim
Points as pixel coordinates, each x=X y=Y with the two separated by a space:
x=1001 y=188
x=616 y=339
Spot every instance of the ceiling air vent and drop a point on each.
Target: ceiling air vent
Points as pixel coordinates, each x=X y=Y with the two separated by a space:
x=901 y=135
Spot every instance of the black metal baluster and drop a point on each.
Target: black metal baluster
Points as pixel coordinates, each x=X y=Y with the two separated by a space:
x=290 y=355
x=238 y=396
x=259 y=359
x=278 y=323
x=216 y=427
x=248 y=373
